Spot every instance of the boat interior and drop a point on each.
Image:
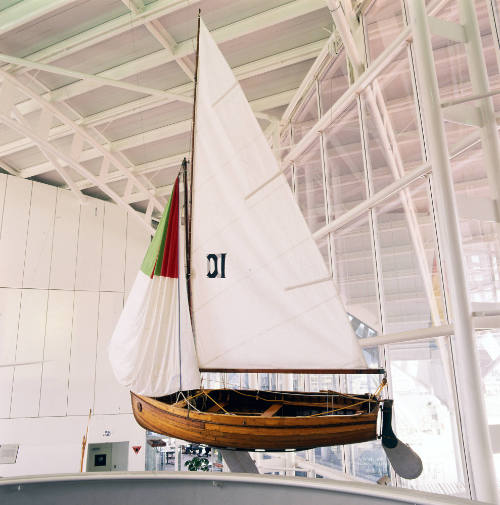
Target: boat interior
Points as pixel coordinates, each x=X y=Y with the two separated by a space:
x=271 y=403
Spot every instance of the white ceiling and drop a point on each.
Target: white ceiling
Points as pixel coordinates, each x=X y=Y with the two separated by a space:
x=149 y=45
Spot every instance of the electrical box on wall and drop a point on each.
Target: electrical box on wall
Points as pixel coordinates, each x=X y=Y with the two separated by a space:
x=109 y=457
x=8 y=453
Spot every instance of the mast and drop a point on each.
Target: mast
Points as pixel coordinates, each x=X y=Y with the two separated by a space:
x=188 y=194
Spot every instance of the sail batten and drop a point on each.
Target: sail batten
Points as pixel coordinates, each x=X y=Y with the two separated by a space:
x=246 y=251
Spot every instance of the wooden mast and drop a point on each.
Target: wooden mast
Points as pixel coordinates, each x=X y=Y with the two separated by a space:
x=188 y=194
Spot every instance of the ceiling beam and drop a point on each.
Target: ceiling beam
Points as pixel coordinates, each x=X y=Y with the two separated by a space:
x=245 y=71
x=162 y=133
x=267 y=19
x=23 y=12
x=24 y=128
x=172 y=162
x=158 y=192
x=158 y=31
x=5 y=166
x=102 y=32
x=94 y=79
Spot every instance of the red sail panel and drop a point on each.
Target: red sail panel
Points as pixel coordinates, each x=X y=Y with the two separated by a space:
x=170 y=261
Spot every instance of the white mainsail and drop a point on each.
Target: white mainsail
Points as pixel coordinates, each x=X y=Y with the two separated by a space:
x=245 y=252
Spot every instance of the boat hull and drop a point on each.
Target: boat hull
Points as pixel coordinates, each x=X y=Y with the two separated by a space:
x=254 y=432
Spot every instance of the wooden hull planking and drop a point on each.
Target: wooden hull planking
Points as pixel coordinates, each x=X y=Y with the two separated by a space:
x=254 y=432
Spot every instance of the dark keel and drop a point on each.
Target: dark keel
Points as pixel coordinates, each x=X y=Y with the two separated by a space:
x=404 y=460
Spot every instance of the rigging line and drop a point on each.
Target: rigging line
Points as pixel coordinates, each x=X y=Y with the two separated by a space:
x=322 y=393
x=367 y=400
x=363 y=400
x=381 y=386
x=192 y=397
x=218 y=405
x=336 y=410
x=187 y=400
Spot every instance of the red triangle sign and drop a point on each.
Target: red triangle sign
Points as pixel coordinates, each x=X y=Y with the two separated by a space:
x=136 y=448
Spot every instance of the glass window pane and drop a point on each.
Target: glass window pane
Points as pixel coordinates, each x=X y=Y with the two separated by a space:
x=355 y=271
x=333 y=82
x=384 y=22
x=344 y=164
x=424 y=414
x=306 y=115
x=368 y=461
x=309 y=186
x=412 y=295
x=398 y=114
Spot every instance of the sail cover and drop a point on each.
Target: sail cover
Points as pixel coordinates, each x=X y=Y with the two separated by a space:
x=247 y=251
x=152 y=349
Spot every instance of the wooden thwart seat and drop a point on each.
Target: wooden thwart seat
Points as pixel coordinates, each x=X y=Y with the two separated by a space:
x=272 y=410
x=215 y=408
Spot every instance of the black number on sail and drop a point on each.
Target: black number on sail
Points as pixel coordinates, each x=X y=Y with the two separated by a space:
x=213 y=265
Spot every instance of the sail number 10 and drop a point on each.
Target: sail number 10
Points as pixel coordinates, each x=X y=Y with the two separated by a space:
x=216 y=265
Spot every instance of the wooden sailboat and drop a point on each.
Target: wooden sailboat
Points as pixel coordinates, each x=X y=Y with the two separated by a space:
x=262 y=420
x=237 y=284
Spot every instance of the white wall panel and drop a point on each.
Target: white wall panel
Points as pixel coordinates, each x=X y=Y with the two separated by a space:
x=3 y=186
x=62 y=270
x=55 y=370
x=113 y=249
x=40 y=233
x=110 y=396
x=88 y=263
x=72 y=262
x=6 y=376
x=14 y=231
x=138 y=239
x=32 y=320
x=83 y=353
x=26 y=391
x=30 y=342
x=10 y=300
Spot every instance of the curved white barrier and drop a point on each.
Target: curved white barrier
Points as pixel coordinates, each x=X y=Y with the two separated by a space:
x=185 y=488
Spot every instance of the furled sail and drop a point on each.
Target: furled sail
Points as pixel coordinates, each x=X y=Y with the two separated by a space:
x=246 y=251
x=152 y=349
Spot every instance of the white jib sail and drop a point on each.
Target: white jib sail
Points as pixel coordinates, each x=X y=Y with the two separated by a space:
x=152 y=348
x=245 y=252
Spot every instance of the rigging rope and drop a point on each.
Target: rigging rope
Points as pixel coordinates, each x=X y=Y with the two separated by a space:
x=218 y=405
x=372 y=399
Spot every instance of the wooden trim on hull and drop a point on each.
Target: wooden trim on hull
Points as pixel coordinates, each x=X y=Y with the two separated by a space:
x=254 y=432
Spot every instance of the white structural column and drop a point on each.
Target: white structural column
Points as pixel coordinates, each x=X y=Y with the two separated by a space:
x=479 y=452
x=239 y=461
